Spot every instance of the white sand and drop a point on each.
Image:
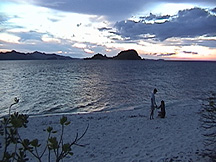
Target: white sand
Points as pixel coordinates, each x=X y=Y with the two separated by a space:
x=129 y=136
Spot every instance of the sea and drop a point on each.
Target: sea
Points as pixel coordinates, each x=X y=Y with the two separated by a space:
x=49 y=87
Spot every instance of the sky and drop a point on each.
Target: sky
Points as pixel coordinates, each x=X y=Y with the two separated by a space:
x=156 y=29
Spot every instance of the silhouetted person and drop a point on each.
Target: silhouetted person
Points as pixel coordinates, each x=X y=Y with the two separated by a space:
x=162 y=113
x=153 y=104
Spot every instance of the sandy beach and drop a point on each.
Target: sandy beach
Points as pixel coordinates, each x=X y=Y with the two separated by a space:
x=98 y=63
x=129 y=136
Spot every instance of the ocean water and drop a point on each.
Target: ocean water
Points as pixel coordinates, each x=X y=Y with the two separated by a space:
x=75 y=86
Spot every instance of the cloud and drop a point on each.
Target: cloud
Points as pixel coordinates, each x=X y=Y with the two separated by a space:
x=3 y=18
x=79 y=45
x=110 y=8
x=29 y=35
x=9 y=38
x=166 y=54
x=88 y=51
x=50 y=39
x=42 y=46
x=104 y=29
x=187 y=23
x=190 y=52
x=154 y=18
x=214 y=10
x=5 y=23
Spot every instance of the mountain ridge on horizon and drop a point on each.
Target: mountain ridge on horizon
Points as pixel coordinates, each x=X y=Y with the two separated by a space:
x=130 y=54
x=14 y=55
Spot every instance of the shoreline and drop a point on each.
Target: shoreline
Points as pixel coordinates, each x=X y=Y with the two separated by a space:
x=129 y=135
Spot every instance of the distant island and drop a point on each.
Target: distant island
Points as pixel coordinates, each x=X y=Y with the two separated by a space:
x=14 y=55
x=123 y=55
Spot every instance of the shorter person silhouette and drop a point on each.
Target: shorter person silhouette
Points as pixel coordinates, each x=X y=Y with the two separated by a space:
x=162 y=113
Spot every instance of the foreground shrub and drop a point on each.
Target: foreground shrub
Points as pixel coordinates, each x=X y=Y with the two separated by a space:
x=15 y=148
x=209 y=123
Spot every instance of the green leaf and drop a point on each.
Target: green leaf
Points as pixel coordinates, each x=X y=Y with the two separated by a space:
x=17 y=123
x=26 y=144
x=63 y=120
x=7 y=155
x=49 y=129
x=67 y=123
x=53 y=143
x=66 y=147
x=34 y=143
x=54 y=132
x=211 y=103
x=70 y=153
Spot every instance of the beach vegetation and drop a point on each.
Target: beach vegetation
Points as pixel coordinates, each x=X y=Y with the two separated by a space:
x=209 y=124
x=17 y=148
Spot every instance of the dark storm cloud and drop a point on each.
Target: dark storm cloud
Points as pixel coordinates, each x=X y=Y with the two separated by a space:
x=214 y=10
x=188 y=23
x=110 y=8
x=153 y=17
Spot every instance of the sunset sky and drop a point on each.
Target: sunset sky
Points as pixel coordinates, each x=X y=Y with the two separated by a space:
x=157 y=29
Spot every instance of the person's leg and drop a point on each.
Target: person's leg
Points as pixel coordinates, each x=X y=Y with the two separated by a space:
x=151 y=115
x=163 y=115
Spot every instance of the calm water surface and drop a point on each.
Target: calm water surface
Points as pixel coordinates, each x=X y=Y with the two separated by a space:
x=71 y=86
